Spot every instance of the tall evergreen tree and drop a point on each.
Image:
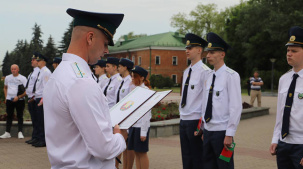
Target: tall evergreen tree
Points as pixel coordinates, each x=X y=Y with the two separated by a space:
x=37 y=42
x=64 y=43
x=6 y=65
x=50 y=51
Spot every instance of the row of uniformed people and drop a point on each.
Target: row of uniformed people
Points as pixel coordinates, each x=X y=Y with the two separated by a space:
x=123 y=79
x=34 y=90
x=210 y=96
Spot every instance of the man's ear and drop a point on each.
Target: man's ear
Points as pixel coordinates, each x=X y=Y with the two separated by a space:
x=89 y=37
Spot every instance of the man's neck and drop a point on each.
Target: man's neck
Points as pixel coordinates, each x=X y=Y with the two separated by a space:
x=16 y=75
x=41 y=67
x=297 y=68
x=218 y=66
x=194 y=61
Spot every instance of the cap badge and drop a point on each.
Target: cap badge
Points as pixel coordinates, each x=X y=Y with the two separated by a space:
x=292 y=38
x=187 y=42
x=209 y=45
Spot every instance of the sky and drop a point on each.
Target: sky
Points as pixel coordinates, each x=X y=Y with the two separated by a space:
x=18 y=17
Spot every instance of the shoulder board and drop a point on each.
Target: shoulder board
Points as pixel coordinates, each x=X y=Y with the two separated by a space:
x=78 y=70
x=229 y=70
x=205 y=67
x=119 y=78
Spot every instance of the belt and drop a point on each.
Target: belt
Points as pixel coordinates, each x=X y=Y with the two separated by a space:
x=256 y=89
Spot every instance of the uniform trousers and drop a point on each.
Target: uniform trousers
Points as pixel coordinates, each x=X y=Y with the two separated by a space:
x=213 y=144
x=255 y=94
x=33 y=112
x=10 y=106
x=40 y=121
x=289 y=155
x=191 y=146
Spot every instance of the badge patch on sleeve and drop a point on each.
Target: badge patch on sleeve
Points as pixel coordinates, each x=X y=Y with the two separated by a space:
x=78 y=70
x=300 y=95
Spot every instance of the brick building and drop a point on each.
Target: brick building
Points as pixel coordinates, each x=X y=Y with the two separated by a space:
x=159 y=54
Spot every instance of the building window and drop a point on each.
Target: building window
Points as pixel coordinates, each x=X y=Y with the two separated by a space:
x=139 y=60
x=133 y=59
x=158 y=60
x=188 y=62
x=174 y=78
x=175 y=60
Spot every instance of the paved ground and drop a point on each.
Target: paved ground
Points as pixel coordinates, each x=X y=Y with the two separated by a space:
x=253 y=140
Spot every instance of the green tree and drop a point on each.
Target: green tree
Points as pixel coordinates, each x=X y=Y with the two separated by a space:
x=64 y=43
x=6 y=65
x=201 y=20
x=50 y=51
x=36 y=42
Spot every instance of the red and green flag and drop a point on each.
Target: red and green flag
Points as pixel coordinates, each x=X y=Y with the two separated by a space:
x=226 y=154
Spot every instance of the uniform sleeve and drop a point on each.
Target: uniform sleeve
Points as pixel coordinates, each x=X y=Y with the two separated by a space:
x=145 y=121
x=90 y=112
x=235 y=103
x=278 y=125
x=46 y=77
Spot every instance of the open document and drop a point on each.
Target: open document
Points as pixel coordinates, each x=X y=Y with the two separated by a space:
x=134 y=106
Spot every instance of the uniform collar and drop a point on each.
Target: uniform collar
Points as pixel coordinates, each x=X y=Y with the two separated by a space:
x=76 y=58
x=128 y=77
x=43 y=68
x=115 y=76
x=300 y=73
x=196 y=66
x=36 y=68
x=102 y=76
x=219 y=71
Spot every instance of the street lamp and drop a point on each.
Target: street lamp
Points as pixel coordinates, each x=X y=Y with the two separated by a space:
x=272 y=60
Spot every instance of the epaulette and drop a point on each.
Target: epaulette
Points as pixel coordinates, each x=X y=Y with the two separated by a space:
x=229 y=70
x=205 y=67
x=78 y=70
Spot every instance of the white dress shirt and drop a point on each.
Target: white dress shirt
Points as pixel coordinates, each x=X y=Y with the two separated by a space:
x=295 y=135
x=103 y=80
x=144 y=122
x=78 y=128
x=111 y=94
x=193 y=107
x=226 y=102
x=32 y=78
x=43 y=77
x=12 y=83
x=125 y=89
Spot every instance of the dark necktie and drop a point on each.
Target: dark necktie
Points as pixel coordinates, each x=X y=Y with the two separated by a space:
x=185 y=89
x=209 y=107
x=97 y=79
x=34 y=89
x=30 y=75
x=105 y=90
x=288 y=104
x=118 y=95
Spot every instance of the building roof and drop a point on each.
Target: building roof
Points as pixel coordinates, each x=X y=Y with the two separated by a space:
x=169 y=39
